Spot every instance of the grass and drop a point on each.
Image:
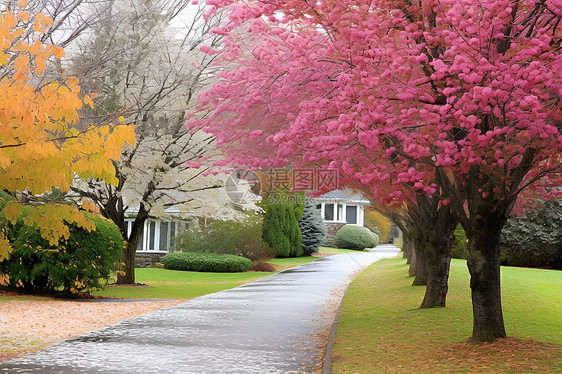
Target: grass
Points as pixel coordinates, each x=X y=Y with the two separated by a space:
x=175 y=284
x=165 y=290
x=7 y=296
x=148 y=275
x=381 y=330
x=285 y=263
x=328 y=251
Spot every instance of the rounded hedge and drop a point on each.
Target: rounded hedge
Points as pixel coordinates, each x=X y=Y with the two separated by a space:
x=208 y=262
x=355 y=237
x=83 y=262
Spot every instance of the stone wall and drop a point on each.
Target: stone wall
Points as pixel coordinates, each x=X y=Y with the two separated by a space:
x=143 y=260
x=332 y=229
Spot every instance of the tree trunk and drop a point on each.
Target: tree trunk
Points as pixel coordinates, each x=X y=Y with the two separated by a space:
x=437 y=281
x=407 y=250
x=421 y=261
x=413 y=260
x=439 y=261
x=484 y=266
x=126 y=275
x=127 y=272
x=438 y=255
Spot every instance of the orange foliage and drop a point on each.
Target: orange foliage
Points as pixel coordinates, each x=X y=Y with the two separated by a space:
x=374 y=218
x=40 y=144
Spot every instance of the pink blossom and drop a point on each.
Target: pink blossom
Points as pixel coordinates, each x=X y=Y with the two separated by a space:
x=387 y=98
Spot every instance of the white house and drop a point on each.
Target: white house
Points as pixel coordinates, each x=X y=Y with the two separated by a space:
x=345 y=207
x=342 y=207
x=161 y=229
x=158 y=233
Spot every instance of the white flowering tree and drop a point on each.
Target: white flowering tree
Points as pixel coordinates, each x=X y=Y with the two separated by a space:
x=144 y=63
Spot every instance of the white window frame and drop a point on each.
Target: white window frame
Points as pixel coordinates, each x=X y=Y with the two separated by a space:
x=340 y=213
x=145 y=239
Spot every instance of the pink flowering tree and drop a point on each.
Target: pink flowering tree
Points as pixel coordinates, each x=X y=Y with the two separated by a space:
x=454 y=99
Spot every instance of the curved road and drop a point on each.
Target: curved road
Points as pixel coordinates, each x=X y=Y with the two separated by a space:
x=278 y=324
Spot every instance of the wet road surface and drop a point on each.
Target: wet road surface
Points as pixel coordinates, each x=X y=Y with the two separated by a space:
x=278 y=324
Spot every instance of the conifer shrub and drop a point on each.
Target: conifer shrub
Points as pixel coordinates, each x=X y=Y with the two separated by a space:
x=313 y=228
x=274 y=229
x=355 y=237
x=281 y=227
x=81 y=263
x=206 y=262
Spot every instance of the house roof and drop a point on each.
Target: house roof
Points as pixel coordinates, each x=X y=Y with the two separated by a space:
x=134 y=209
x=344 y=196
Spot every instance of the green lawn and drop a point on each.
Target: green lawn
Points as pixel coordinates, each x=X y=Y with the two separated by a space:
x=149 y=275
x=292 y=261
x=175 y=284
x=381 y=329
x=328 y=251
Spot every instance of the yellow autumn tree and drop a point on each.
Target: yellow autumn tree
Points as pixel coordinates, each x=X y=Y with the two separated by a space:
x=376 y=219
x=41 y=146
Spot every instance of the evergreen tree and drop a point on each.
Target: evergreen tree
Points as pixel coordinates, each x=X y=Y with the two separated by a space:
x=313 y=228
x=295 y=236
x=273 y=229
x=281 y=228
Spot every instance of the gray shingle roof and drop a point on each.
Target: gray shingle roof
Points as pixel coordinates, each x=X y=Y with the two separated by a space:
x=345 y=196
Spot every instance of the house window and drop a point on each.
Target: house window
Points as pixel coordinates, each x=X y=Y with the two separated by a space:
x=334 y=212
x=151 y=235
x=167 y=235
x=351 y=214
x=140 y=245
x=156 y=236
x=329 y=212
x=164 y=235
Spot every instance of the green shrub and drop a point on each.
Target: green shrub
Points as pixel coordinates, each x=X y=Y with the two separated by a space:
x=281 y=224
x=535 y=239
x=355 y=237
x=273 y=229
x=373 y=229
x=313 y=228
x=216 y=237
x=228 y=237
x=263 y=266
x=81 y=263
x=459 y=249
x=251 y=244
x=207 y=262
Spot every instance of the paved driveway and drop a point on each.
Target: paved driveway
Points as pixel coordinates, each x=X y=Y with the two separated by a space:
x=278 y=324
